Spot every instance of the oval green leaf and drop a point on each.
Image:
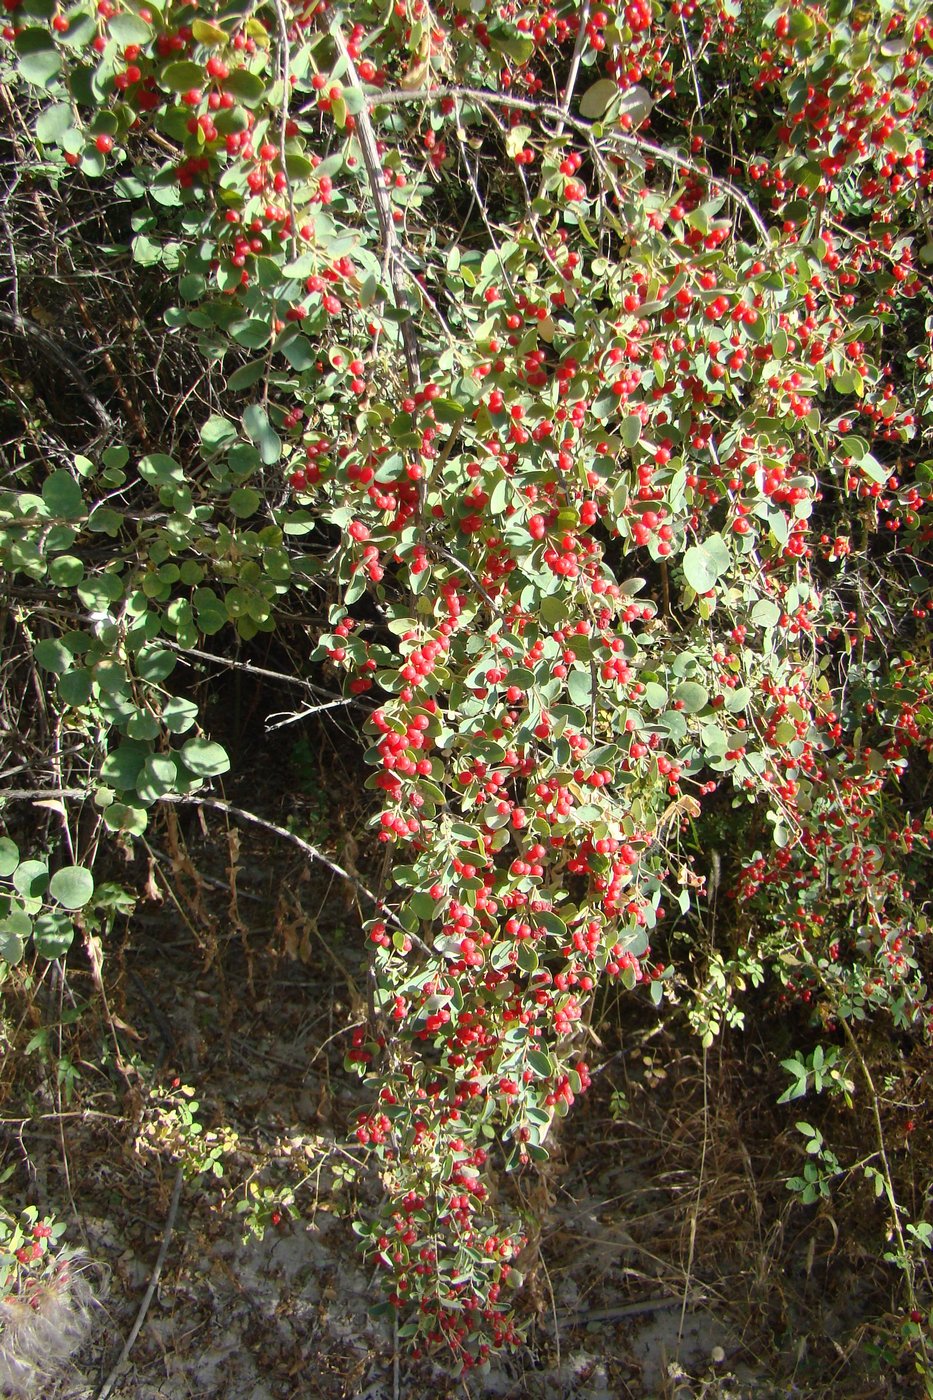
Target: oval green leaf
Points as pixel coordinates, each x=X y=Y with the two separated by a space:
x=72 y=887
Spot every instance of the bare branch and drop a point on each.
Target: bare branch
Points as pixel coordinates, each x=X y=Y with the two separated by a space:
x=578 y=48
x=367 y=141
x=55 y=353
x=111 y=1380
x=285 y=76
x=219 y=805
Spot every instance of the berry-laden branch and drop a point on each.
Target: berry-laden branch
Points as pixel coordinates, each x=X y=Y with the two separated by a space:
x=562 y=118
x=591 y=565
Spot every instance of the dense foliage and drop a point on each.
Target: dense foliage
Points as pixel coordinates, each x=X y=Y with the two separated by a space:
x=563 y=375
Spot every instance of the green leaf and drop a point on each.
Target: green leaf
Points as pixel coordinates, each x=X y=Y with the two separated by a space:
x=129 y=28
x=580 y=687
x=210 y=611
x=105 y=521
x=155 y=663
x=66 y=571
x=12 y=945
x=210 y=35
x=53 y=122
x=245 y=502
x=247 y=375
x=72 y=887
x=205 y=758
x=161 y=470
x=62 y=495
x=512 y=44
x=9 y=856
x=183 y=75
x=142 y=725
x=52 y=656
x=354 y=100
x=178 y=714
x=246 y=87
x=635 y=103
x=705 y=563
x=145 y=252
x=158 y=777
x=766 y=613
x=121 y=768
x=538 y=1061
x=673 y=722
x=97 y=592
x=37 y=57
x=422 y=904
x=255 y=421
x=74 y=687
x=297 y=166
x=217 y=433
x=874 y=469
x=82 y=30
x=630 y=431
x=126 y=817
x=597 y=98
x=53 y=935
x=252 y=333
x=258 y=430
x=31 y=879
x=93 y=163
x=693 y=697
x=299 y=352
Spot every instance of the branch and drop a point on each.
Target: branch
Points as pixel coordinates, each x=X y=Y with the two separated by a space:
x=283 y=676
x=641 y=144
x=285 y=73
x=367 y=139
x=572 y=76
x=42 y=794
x=111 y=1380
x=293 y=716
x=55 y=353
x=217 y=804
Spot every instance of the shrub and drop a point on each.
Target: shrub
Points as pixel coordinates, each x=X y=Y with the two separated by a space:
x=573 y=363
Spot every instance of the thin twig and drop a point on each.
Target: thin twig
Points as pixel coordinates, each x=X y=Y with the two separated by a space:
x=693 y=67
x=55 y=353
x=264 y=671
x=396 y=1378
x=111 y=1380
x=465 y=568
x=904 y=1260
x=481 y=205
x=41 y=794
x=572 y=76
x=696 y=1211
x=367 y=140
x=219 y=805
x=293 y=718
x=649 y=1305
x=285 y=76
